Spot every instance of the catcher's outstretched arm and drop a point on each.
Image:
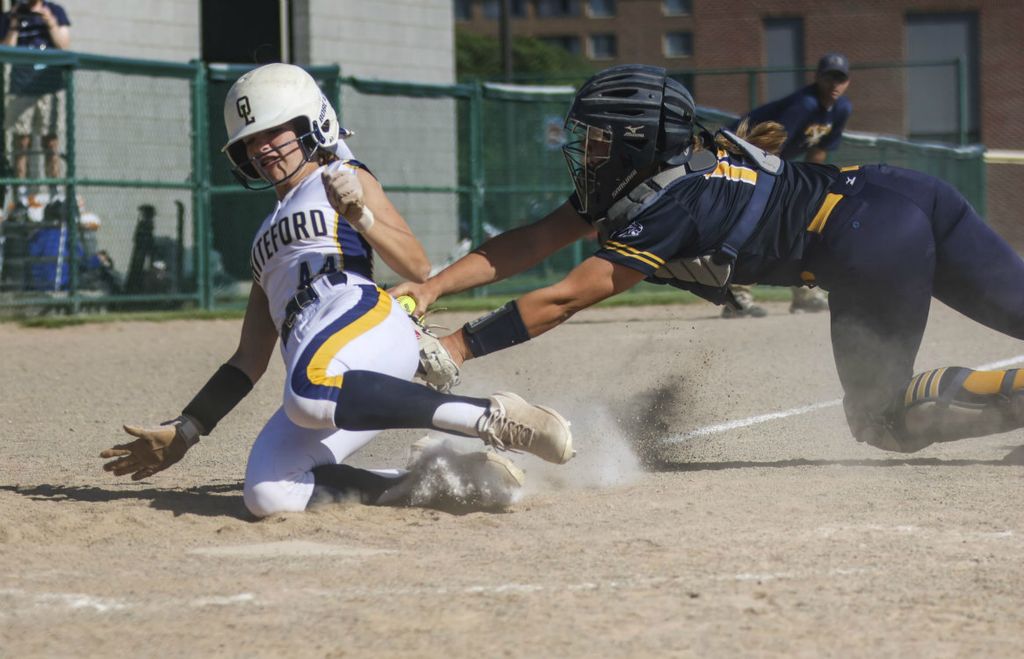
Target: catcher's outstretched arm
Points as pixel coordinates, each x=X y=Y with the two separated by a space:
x=501 y=257
x=541 y=310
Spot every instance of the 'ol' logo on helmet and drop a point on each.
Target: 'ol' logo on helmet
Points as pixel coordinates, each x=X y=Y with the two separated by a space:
x=244 y=109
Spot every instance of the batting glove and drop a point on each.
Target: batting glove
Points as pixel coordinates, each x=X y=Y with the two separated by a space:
x=345 y=194
x=153 y=450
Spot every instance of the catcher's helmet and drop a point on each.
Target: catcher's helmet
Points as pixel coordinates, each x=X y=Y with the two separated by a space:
x=270 y=96
x=623 y=121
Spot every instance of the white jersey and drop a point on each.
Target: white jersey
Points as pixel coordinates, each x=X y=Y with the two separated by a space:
x=302 y=238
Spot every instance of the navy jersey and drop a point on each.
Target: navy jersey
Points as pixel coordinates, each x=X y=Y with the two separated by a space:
x=807 y=123
x=33 y=33
x=694 y=215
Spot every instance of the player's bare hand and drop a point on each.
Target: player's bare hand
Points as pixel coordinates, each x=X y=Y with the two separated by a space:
x=153 y=450
x=345 y=194
x=423 y=294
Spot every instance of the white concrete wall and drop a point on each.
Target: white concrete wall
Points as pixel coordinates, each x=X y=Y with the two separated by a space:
x=146 y=29
x=405 y=141
x=386 y=39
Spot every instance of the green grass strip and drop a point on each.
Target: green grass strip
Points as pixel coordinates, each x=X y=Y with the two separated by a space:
x=233 y=310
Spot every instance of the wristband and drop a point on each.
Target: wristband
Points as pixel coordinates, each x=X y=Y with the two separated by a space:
x=500 y=329
x=365 y=221
x=228 y=386
x=187 y=429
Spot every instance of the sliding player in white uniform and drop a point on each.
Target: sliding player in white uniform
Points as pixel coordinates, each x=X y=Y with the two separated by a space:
x=349 y=350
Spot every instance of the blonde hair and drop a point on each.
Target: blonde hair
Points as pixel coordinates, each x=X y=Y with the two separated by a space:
x=767 y=135
x=325 y=156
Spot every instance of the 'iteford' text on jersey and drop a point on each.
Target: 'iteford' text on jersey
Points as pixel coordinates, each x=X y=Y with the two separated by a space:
x=302 y=238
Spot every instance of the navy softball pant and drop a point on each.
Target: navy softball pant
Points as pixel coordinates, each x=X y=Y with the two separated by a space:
x=900 y=238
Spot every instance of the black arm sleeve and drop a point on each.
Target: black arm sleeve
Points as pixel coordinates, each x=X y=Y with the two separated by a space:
x=227 y=387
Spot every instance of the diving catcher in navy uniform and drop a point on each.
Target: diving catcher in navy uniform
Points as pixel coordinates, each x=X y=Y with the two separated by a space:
x=677 y=206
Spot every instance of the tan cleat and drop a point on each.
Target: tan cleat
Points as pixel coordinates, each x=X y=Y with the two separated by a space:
x=500 y=469
x=512 y=424
x=442 y=476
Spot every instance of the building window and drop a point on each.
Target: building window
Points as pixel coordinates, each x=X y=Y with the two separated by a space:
x=676 y=7
x=492 y=8
x=677 y=44
x=932 y=93
x=463 y=10
x=603 y=46
x=568 y=43
x=783 y=48
x=601 y=8
x=557 y=8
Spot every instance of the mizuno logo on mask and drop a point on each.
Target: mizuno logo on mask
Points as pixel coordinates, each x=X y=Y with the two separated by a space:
x=634 y=131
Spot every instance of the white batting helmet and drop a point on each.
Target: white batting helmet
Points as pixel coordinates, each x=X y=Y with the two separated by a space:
x=270 y=96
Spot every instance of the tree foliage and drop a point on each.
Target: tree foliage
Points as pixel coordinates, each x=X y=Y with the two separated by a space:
x=479 y=56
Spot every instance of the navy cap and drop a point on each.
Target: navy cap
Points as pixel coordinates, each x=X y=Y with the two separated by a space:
x=834 y=62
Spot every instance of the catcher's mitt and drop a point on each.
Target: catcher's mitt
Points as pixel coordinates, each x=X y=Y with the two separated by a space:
x=437 y=368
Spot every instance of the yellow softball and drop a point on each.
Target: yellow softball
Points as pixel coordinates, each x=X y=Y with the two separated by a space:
x=407 y=303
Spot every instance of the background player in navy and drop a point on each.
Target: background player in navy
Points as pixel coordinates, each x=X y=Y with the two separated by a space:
x=670 y=210
x=814 y=118
x=349 y=351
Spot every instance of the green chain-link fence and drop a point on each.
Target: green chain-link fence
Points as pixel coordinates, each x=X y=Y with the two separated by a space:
x=157 y=220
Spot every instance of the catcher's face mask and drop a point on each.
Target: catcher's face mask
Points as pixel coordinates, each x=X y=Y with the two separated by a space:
x=587 y=149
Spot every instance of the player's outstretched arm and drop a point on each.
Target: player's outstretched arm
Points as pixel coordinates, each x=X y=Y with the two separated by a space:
x=541 y=310
x=157 y=448
x=501 y=257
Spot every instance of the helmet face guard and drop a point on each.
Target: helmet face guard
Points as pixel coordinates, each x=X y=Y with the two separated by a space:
x=248 y=171
x=587 y=148
x=624 y=122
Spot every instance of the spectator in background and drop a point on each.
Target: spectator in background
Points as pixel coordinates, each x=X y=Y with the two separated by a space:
x=35 y=103
x=814 y=118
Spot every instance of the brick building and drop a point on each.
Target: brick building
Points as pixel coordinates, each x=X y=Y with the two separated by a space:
x=879 y=36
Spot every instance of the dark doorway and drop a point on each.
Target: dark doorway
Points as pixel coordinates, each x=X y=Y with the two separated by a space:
x=244 y=31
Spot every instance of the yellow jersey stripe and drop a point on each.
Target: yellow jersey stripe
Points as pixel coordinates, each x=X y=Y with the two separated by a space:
x=632 y=256
x=628 y=248
x=316 y=371
x=337 y=241
x=732 y=172
x=817 y=224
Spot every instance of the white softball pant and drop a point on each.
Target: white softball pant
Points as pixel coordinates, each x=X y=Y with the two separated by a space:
x=353 y=326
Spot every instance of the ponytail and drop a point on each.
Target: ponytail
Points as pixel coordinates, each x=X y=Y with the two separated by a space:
x=767 y=135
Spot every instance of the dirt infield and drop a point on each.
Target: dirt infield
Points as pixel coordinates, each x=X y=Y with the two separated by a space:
x=717 y=507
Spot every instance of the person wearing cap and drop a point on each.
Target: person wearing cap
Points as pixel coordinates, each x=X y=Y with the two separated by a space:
x=814 y=118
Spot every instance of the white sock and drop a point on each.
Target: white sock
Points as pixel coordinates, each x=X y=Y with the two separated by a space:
x=459 y=417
